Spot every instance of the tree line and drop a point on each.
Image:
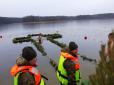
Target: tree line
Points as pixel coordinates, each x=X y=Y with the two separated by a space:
x=8 y=20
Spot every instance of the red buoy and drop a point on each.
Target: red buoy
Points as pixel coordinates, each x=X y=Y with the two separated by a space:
x=0 y=36
x=85 y=37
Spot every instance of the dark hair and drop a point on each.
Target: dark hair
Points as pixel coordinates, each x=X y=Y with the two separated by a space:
x=72 y=46
x=28 y=53
x=111 y=35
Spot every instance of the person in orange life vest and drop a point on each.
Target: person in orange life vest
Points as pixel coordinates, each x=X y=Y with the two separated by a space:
x=24 y=71
x=67 y=67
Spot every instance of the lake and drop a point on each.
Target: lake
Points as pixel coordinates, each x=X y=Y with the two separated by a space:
x=95 y=30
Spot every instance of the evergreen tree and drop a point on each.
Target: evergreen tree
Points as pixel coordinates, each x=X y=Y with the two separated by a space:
x=105 y=70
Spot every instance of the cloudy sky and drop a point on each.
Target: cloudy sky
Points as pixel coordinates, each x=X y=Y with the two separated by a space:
x=20 y=8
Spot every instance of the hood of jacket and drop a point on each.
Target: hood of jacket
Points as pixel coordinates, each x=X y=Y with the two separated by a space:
x=20 y=61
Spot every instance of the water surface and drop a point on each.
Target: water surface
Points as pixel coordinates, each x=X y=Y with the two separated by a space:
x=95 y=30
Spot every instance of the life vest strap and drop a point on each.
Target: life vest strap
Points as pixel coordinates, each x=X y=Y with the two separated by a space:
x=65 y=76
x=62 y=75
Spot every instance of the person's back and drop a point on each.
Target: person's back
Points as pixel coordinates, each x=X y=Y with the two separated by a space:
x=68 y=69
x=24 y=71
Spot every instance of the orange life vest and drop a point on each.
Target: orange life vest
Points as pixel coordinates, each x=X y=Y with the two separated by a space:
x=16 y=69
x=75 y=59
x=62 y=73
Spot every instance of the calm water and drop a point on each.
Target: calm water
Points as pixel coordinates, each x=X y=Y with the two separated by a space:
x=95 y=30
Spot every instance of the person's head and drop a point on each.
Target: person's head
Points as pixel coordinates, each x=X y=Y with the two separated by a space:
x=111 y=36
x=29 y=54
x=73 y=47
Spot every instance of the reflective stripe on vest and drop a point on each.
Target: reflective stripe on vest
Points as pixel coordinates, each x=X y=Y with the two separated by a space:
x=16 y=70
x=62 y=73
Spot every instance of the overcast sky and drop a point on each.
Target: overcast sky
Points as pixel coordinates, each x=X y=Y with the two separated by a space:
x=20 y=8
